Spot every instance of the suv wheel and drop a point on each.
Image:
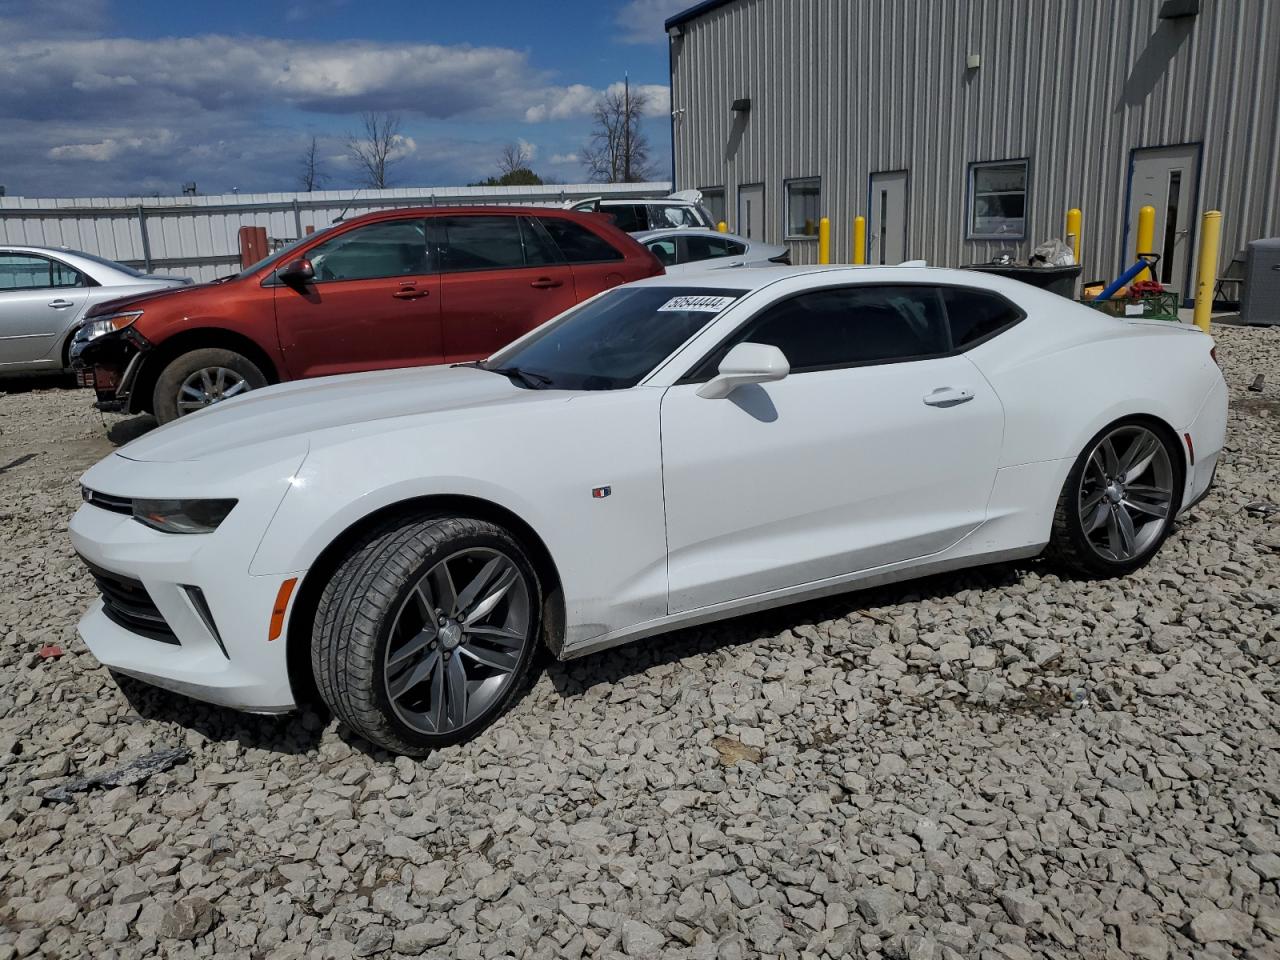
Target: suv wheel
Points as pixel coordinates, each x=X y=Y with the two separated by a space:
x=426 y=631
x=195 y=380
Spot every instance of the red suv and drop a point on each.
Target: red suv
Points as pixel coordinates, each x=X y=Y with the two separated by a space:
x=395 y=288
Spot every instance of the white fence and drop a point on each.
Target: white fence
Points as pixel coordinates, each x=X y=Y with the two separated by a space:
x=199 y=236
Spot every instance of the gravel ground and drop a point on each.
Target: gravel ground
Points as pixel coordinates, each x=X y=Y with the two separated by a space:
x=998 y=764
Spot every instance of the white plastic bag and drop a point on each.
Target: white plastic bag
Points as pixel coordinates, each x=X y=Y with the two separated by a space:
x=1052 y=253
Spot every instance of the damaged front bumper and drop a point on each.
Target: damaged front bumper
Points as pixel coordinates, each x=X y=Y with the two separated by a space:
x=109 y=363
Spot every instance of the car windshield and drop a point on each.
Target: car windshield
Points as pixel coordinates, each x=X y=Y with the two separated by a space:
x=281 y=253
x=613 y=341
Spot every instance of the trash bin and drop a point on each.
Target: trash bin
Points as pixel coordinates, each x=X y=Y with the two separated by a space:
x=1059 y=280
x=1258 y=302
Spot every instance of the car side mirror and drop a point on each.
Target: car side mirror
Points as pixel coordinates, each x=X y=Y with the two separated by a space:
x=297 y=271
x=746 y=363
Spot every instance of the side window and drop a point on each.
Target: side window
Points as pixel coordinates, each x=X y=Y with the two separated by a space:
x=627 y=217
x=396 y=248
x=976 y=314
x=22 y=271
x=673 y=216
x=577 y=243
x=482 y=243
x=539 y=248
x=664 y=250
x=847 y=326
x=708 y=248
x=64 y=275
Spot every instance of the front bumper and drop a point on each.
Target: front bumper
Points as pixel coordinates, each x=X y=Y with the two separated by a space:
x=110 y=364
x=212 y=643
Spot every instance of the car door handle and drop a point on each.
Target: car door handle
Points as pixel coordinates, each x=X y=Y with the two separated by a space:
x=410 y=293
x=545 y=283
x=61 y=304
x=948 y=397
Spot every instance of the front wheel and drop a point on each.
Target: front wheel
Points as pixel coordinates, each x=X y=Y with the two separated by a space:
x=425 y=631
x=1119 y=501
x=200 y=378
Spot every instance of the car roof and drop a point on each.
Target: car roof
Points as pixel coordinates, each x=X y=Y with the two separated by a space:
x=756 y=277
x=495 y=209
x=665 y=201
x=643 y=235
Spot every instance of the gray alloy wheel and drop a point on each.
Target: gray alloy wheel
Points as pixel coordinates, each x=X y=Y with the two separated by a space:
x=209 y=385
x=457 y=641
x=1126 y=493
x=426 y=630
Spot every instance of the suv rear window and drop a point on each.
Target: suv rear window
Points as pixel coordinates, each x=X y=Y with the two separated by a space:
x=577 y=243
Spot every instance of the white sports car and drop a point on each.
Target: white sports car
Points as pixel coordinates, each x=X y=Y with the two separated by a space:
x=668 y=453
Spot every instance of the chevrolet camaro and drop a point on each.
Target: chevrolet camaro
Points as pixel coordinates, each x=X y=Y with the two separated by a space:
x=667 y=453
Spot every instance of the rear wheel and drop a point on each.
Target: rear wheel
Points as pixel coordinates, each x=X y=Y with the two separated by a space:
x=426 y=631
x=1119 y=500
x=200 y=378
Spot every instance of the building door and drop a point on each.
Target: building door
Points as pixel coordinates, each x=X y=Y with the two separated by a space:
x=751 y=211
x=887 y=224
x=1166 y=178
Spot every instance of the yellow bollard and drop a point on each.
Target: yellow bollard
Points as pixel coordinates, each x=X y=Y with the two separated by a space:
x=1207 y=266
x=1073 y=231
x=824 y=240
x=722 y=227
x=859 y=239
x=1146 y=238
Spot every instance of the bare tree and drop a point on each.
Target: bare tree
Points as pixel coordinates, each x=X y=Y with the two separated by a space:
x=514 y=156
x=618 y=151
x=373 y=151
x=310 y=176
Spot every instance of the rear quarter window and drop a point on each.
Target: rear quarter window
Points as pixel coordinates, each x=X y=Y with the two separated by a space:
x=577 y=243
x=975 y=315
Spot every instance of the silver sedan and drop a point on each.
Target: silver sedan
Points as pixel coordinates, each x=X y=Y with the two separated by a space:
x=682 y=249
x=44 y=291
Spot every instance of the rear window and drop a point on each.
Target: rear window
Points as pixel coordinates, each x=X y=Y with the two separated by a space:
x=577 y=243
x=976 y=314
x=627 y=217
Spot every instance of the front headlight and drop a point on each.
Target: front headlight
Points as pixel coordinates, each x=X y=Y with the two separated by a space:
x=99 y=325
x=182 y=516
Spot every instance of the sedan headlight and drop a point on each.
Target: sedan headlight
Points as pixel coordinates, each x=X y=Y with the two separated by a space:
x=182 y=516
x=96 y=327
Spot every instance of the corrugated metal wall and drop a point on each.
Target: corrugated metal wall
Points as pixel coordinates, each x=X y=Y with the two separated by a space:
x=843 y=88
x=197 y=236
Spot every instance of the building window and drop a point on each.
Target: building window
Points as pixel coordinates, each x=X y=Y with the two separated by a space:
x=803 y=204
x=998 y=200
x=713 y=200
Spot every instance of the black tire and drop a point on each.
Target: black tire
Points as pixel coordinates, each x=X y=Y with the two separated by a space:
x=165 y=397
x=357 y=611
x=1070 y=547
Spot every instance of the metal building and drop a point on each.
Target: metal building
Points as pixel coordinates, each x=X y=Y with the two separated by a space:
x=965 y=128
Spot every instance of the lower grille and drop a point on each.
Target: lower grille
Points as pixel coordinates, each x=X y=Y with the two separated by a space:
x=126 y=602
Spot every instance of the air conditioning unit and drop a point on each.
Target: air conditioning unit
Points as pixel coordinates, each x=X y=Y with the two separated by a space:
x=1260 y=301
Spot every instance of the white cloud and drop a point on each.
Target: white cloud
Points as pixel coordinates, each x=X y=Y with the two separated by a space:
x=530 y=150
x=570 y=157
x=110 y=148
x=641 y=20
x=579 y=100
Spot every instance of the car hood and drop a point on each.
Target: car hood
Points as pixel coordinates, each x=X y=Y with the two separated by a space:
x=172 y=290
x=333 y=408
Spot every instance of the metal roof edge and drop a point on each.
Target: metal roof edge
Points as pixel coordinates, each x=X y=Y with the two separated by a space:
x=692 y=13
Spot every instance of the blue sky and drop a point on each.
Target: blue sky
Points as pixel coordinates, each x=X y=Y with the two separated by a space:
x=125 y=98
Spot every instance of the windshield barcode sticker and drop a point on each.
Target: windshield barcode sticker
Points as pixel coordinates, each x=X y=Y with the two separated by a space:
x=697 y=304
